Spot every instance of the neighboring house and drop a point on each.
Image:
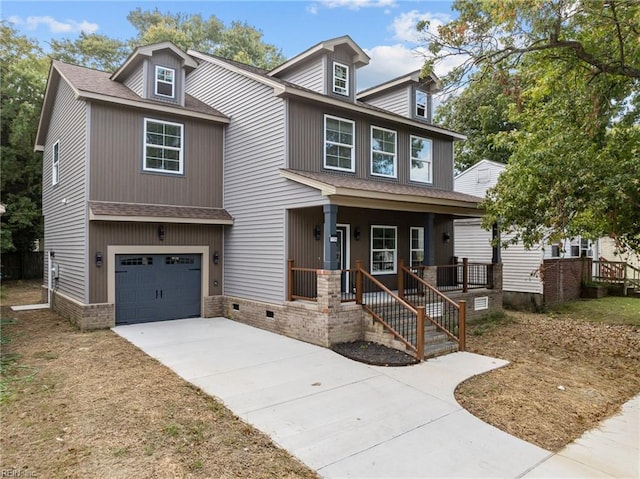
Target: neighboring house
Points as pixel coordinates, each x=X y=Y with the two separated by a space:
x=523 y=281
x=182 y=184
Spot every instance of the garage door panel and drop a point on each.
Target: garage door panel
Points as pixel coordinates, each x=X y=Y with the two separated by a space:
x=157 y=287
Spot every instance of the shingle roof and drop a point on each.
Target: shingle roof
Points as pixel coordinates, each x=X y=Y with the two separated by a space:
x=105 y=208
x=351 y=182
x=99 y=82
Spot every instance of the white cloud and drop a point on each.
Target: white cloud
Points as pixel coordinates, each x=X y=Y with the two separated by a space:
x=357 y=4
x=404 y=25
x=55 y=26
x=312 y=9
x=387 y=62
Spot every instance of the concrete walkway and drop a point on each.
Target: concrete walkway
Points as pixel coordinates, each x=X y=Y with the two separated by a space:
x=346 y=419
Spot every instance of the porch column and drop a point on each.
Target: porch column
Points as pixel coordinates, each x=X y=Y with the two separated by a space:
x=330 y=237
x=429 y=243
x=496 y=248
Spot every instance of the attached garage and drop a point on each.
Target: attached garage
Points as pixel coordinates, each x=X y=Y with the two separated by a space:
x=157 y=287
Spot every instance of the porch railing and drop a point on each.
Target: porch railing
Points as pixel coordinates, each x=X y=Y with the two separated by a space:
x=615 y=272
x=461 y=276
x=447 y=315
x=302 y=283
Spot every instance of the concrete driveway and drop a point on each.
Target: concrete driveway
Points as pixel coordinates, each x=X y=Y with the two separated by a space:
x=340 y=417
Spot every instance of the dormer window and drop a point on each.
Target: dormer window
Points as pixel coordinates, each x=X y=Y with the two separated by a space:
x=165 y=82
x=340 y=79
x=422 y=105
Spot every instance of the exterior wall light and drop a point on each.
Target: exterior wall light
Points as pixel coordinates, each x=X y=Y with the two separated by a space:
x=317 y=232
x=357 y=233
x=161 y=232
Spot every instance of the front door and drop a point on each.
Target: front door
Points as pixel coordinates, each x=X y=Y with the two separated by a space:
x=342 y=253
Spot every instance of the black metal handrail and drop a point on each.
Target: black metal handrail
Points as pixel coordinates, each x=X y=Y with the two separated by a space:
x=447 y=315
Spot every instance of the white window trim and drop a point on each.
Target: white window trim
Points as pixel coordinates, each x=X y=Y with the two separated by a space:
x=395 y=153
x=395 y=251
x=411 y=248
x=337 y=89
x=353 y=147
x=55 y=163
x=180 y=170
x=430 y=182
x=426 y=104
x=156 y=81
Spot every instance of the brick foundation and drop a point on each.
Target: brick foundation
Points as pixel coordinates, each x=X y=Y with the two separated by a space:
x=562 y=279
x=85 y=317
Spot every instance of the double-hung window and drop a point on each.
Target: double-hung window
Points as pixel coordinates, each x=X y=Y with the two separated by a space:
x=339 y=144
x=165 y=82
x=422 y=104
x=384 y=249
x=163 y=146
x=417 y=245
x=340 y=78
x=421 y=160
x=55 y=168
x=383 y=152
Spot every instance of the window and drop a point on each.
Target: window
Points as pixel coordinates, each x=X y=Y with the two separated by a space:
x=383 y=249
x=55 y=168
x=163 y=146
x=417 y=246
x=421 y=159
x=165 y=81
x=340 y=78
x=483 y=175
x=383 y=152
x=338 y=144
x=422 y=104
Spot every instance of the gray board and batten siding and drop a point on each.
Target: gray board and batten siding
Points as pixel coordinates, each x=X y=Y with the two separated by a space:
x=167 y=59
x=306 y=144
x=340 y=55
x=114 y=233
x=65 y=204
x=256 y=196
x=116 y=166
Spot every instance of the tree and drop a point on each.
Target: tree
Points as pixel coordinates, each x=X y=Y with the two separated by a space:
x=482 y=113
x=91 y=50
x=23 y=69
x=244 y=44
x=574 y=166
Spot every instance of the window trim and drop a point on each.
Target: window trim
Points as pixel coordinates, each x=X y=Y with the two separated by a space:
x=180 y=170
x=55 y=163
x=411 y=158
x=353 y=146
x=426 y=104
x=395 y=153
x=420 y=230
x=395 y=250
x=338 y=89
x=172 y=83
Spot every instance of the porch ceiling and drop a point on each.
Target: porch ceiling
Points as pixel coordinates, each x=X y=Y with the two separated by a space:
x=362 y=193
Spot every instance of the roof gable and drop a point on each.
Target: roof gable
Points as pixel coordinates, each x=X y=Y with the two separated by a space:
x=432 y=82
x=360 y=58
x=147 y=51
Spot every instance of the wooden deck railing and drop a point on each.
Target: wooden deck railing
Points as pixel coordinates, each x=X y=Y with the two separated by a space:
x=302 y=283
x=461 y=276
x=615 y=272
x=447 y=315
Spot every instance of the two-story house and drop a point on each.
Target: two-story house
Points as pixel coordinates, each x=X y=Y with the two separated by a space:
x=186 y=184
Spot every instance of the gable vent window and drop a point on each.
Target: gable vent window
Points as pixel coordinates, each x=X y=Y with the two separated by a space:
x=422 y=105
x=163 y=150
x=340 y=78
x=165 y=81
x=55 y=171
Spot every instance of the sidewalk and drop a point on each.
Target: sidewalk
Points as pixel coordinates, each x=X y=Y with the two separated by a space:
x=344 y=418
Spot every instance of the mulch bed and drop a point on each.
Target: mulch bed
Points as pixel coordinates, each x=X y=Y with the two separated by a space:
x=373 y=353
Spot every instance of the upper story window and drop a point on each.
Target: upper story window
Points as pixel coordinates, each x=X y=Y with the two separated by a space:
x=55 y=168
x=417 y=245
x=383 y=152
x=163 y=146
x=421 y=160
x=384 y=249
x=165 y=82
x=340 y=78
x=339 y=143
x=422 y=104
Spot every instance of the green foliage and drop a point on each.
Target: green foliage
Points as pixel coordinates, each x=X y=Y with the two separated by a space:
x=568 y=123
x=23 y=69
x=91 y=50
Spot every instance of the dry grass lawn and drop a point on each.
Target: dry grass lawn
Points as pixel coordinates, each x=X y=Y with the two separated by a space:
x=92 y=405
x=569 y=370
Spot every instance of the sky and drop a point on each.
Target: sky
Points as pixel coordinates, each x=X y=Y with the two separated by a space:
x=384 y=29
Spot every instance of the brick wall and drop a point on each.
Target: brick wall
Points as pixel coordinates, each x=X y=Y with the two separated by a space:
x=213 y=306
x=85 y=317
x=561 y=279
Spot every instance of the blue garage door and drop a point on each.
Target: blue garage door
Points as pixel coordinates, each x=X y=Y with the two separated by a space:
x=157 y=287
